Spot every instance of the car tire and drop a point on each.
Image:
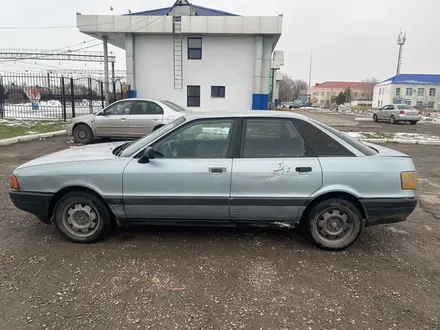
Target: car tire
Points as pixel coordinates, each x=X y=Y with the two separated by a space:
x=413 y=122
x=392 y=120
x=375 y=118
x=82 y=217
x=334 y=224
x=82 y=133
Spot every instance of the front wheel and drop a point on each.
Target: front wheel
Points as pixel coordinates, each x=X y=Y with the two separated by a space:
x=82 y=133
x=375 y=118
x=392 y=120
x=413 y=122
x=334 y=224
x=82 y=217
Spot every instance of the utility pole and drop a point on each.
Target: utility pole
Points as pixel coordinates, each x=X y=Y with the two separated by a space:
x=400 y=41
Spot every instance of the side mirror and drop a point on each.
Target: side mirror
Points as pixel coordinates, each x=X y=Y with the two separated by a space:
x=148 y=154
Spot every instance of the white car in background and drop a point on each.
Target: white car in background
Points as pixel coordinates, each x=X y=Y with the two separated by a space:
x=128 y=118
x=394 y=113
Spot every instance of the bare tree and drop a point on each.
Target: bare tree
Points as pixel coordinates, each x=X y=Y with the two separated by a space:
x=290 y=89
x=367 y=86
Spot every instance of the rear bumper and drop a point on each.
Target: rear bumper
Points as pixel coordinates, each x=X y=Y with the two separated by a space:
x=388 y=210
x=31 y=202
x=408 y=118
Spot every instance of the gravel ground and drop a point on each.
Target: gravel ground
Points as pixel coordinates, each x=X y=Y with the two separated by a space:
x=161 y=278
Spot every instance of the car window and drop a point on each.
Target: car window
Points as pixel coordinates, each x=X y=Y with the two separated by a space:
x=321 y=143
x=268 y=138
x=405 y=107
x=363 y=148
x=146 y=108
x=200 y=139
x=118 y=109
x=390 y=107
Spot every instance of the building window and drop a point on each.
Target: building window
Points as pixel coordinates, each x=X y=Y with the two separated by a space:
x=432 y=92
x=378 y=104
x=430 y=105
x=363 y=94
x=398 y=91
x=334 y=93
x=193 y=98
x=420 y=92
x=419 y=104
x=194 y=48
x=218 y=91
x=380 y=91
x=408 y=102
x=322 y=93
x=355 y=93
x=328 y=93
x=409 y=92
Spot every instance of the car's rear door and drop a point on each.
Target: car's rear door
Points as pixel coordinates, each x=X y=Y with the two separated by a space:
x=274 y=175
x=190 y=178
x=144 y=117
x=113 y=121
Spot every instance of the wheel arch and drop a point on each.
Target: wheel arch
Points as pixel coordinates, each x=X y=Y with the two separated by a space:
x=77 y=188
x=331 y=195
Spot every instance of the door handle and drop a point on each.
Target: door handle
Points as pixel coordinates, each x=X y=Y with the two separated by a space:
x=303 y=169
x=122 y=119
x=217 y=170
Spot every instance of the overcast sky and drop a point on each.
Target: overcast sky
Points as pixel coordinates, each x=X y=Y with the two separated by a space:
x=351 y=39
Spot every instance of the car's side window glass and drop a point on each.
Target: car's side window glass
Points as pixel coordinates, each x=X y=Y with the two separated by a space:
x=321 y=143
x=390 y=107
x=272 y=138
x=119 y=109
x=146 y=108
x=200 y=139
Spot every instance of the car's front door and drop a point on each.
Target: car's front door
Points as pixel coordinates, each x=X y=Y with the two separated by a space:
x=113 y=121
x=144 y=117
x=188 y=180
x=274 y=176
x=380 y=113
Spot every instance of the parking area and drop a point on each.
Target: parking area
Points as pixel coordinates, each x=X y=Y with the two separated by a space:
x=190 y=278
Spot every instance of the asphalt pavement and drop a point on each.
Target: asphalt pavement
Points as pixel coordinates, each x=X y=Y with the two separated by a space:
x=190 y=278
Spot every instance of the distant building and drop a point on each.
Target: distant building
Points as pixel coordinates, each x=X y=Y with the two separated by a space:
x=325 y=93
x=421 y=90
x=197 y=57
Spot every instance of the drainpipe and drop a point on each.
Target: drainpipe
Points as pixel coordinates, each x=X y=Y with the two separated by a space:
x=258 y=61
x=106 y=73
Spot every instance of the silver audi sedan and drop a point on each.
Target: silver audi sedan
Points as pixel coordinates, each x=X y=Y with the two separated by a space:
x=126 y=118
x=257 y=168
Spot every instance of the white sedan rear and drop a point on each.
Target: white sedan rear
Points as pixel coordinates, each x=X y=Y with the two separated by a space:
x=398 y=112
x=128 y=118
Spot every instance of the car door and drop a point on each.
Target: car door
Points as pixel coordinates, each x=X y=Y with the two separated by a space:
x=389 y=110
x=188 y=180
x=380 y=113
x=113 y=121
x=274 y=175
x=144 y=117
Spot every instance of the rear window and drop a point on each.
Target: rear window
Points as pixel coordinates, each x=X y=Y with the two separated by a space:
x=366 y=150
x=405 y=107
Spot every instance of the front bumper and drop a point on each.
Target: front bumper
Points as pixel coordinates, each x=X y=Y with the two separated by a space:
x=32 y=202
x=388 y=210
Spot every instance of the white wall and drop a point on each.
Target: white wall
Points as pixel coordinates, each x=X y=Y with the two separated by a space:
x=385 y=97
x=226 y=61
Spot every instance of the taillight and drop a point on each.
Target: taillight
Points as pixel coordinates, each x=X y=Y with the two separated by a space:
x=14 y=183
x=402 y=112
x=420 y=113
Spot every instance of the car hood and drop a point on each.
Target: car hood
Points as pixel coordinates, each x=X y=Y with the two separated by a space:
x=76 y=154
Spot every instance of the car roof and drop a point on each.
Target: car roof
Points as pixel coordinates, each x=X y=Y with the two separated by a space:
x=191 y=115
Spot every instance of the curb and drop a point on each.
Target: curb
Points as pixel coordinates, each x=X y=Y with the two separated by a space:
x=23 y=138
x=402 y=141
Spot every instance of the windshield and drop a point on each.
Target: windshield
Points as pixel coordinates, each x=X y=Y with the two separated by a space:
x=366 y=150
x=138 y=144
x=405 y=106
x=173 y=106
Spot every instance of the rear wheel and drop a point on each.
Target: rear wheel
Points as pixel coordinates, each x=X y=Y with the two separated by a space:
x=375 y=118
x=334 y=224
x=392 y=120
x=82 y=217
x=82 y=133
x=413 y=122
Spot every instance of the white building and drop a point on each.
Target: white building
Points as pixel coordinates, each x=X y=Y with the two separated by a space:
x=195 y=56
x=421 y=90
